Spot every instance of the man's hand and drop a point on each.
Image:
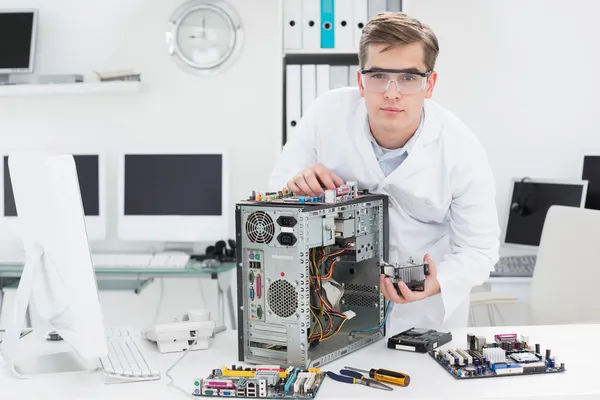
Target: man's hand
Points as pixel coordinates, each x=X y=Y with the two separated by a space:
x=310 y=181
x=432 y=287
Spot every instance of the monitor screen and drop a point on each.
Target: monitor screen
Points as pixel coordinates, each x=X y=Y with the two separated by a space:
x=173 y=184
x=591 y=173
x=17 y=36
x=529 y=205
x=89 y=184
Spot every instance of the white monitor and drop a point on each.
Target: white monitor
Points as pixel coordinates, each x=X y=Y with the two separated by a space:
x=529 y=202
x=173 y=195
x=18 y=31
x=91 y=176
x=58 y=274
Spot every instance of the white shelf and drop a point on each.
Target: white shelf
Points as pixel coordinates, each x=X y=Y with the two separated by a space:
x=320 y=51
x=70 y=88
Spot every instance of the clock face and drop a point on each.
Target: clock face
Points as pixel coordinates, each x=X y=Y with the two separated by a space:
x=204 y=35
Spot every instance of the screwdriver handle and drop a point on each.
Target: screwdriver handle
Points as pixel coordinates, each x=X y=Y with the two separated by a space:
x=393 y=377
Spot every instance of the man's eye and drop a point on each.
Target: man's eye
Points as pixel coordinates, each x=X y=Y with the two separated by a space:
x=408 y=77
x=379 y=76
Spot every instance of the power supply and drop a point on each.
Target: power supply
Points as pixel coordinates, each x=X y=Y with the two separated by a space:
x=308 y=275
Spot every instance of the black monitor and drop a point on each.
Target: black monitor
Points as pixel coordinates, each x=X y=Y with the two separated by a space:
x=18 y=29
x=529 y=204
x=591 y=173
x=88 y=171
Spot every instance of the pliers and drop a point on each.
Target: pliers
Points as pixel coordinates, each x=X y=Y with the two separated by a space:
x=348 y=376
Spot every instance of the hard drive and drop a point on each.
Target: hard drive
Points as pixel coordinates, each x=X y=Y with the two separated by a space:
x=418 y=340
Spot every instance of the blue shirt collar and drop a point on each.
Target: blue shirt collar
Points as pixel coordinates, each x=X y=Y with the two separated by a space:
x=383 y=154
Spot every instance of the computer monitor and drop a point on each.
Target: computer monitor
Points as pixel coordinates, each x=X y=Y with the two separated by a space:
x=591 y=173
x=91 y=177
x=18 y=31
x=529 y=202
x=178 y=196
x=58 y=274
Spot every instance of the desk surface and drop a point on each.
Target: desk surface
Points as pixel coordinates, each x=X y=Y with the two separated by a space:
x=428 y=380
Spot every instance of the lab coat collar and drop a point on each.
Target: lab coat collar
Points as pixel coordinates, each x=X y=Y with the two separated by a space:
x=417 y=158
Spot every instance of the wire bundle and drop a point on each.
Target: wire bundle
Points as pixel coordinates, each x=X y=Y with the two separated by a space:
x=324 y=314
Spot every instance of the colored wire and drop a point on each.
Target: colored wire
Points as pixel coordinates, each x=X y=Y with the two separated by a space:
x=375 y=328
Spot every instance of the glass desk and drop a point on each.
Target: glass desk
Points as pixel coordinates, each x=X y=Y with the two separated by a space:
x=137 y=278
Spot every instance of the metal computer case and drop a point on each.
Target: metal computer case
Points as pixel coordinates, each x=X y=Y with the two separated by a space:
x=273 y=266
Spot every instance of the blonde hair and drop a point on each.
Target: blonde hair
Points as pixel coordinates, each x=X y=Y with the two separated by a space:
x=396 y=29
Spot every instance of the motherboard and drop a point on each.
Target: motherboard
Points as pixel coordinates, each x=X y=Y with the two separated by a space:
x=266 y=381
x=506 y=355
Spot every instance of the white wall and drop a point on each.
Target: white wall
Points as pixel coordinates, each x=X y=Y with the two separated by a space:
x=239 y=109
x=522 y=75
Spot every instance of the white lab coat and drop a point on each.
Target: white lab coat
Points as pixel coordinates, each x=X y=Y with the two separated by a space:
x=441 y=198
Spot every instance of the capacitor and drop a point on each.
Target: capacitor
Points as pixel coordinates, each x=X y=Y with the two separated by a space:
x=562 y=366
x=484 y=361
x=551 y=363
x=537 y=348
x=476 y=362
x=478 y=370
x=483 y=369
x=547 y=354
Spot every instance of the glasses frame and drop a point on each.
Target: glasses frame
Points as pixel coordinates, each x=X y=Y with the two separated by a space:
x=425 y=75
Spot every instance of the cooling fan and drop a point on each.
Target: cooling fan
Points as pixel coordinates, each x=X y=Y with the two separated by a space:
x=260 y=227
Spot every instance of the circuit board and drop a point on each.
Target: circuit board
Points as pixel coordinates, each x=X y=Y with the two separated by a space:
x=504 y=356
x=266 y=381
x=340 y=194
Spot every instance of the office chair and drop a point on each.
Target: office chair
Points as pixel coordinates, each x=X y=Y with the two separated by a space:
x=564 y=287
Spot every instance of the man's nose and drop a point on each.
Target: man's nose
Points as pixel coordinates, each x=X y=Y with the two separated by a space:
x=392 y=91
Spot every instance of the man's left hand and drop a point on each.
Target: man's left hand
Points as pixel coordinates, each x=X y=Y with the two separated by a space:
x=432 y=286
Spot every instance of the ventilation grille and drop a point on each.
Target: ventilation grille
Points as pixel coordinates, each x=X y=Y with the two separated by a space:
x=351 y=287
x=260 y=227
x=356 y=295
x=360 y=300
x=282 y=298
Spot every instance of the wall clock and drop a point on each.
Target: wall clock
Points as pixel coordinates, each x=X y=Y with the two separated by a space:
x=204 y=36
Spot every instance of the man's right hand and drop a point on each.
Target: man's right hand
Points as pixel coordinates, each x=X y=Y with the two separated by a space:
x=310 y=181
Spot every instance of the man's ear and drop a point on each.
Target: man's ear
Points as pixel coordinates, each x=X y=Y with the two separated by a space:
x=430 y=85
x=359 y=78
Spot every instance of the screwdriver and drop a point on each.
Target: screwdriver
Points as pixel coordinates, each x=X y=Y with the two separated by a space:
x=385 y=375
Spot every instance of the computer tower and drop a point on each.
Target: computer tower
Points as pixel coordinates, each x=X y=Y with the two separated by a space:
x=288 y=249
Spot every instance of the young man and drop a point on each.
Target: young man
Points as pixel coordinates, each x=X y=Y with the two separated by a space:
x=390 y=137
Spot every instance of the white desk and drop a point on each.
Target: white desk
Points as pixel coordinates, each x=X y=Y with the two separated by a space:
x=569 y=343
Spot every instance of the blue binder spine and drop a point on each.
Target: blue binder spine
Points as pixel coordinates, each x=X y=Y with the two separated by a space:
x=327 y=24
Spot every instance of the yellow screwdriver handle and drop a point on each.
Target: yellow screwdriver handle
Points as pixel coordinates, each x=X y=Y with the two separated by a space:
x=393 y=377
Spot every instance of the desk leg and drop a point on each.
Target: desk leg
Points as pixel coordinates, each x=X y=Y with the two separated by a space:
x=231 y=307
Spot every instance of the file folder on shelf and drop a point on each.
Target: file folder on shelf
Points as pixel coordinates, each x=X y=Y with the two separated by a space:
x=394 y=5
x=292 y=24
x=352 y=80
x=344 y=35
x=338 y=76
x=327 y=24
x=376 y=6
x=309 y=85
x=293 y=96
x=359 y=19
x=311 y=21
x=322 y=79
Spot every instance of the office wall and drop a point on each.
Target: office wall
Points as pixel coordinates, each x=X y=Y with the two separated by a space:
x=238 y=109
x=521 y=75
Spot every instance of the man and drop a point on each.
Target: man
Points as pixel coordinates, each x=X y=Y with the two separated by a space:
x=390 y=137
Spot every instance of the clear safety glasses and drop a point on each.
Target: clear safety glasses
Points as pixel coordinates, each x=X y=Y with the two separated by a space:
x=407 y=81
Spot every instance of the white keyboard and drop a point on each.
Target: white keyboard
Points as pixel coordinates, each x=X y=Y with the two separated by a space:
x=158 y=260
x=125 y=362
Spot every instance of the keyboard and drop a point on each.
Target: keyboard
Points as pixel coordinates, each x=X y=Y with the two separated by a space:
x=125 y=362
x=515 y=266
x=158 y=260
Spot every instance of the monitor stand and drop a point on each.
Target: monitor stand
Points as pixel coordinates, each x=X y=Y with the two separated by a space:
x=36 y=365
x=185 y=247
x=4 y=79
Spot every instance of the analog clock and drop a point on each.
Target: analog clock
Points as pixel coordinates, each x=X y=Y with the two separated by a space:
x=204 y=36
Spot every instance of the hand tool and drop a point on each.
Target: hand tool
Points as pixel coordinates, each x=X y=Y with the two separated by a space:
x=348 y=376
x=385 y=375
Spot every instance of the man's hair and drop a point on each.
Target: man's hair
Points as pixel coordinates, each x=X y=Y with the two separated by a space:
x=396 y=29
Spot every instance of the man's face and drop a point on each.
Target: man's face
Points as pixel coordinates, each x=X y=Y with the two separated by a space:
x=395 y=106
